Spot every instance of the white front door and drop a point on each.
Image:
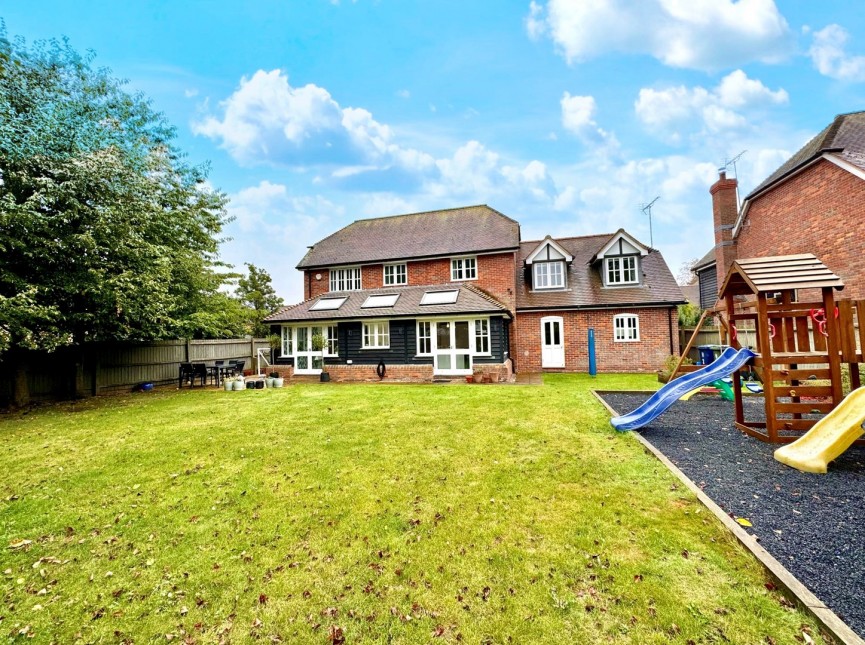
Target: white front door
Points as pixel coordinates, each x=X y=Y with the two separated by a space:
x=552 y=342
x=453 y=354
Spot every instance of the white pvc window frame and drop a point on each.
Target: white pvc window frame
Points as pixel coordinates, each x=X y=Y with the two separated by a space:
x=376 y=335
x=464 y=268
x=621 y=270
x=395 y=274
x=549 y=275
x=345 y=279
x=626 y=328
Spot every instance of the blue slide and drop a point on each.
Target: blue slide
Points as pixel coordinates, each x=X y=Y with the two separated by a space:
x=727 y=363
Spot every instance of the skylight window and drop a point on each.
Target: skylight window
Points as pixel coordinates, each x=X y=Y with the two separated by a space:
x=328 y=304
x=386 y=300
x=439 y=297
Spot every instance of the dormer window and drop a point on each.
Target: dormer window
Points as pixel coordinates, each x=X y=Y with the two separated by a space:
x=548 y=275
x=621 y=270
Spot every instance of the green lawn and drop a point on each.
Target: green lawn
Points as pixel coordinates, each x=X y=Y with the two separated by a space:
x=373 y=513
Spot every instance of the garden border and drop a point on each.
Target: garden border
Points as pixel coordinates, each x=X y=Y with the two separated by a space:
x=825 y=616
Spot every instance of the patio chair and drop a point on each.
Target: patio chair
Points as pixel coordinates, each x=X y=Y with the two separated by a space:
x=238 y=367
x=184 y=374
x=216 y=371
x=189 y=372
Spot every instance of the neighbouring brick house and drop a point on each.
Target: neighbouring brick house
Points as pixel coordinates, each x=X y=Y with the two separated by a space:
x=455 y=292
x=814 y=203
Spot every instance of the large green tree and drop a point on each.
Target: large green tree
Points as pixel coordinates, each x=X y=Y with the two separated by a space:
x=256 y=292
x=107 y=232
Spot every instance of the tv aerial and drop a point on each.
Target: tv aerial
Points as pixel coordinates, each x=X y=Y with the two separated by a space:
x=647 y=210
x=732 y=162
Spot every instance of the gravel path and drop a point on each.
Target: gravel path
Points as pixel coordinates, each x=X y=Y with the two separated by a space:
x=813 y=524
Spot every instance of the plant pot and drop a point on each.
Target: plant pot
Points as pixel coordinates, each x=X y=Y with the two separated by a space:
x=324 y=377
x=470 y=379
x=270 y=381
x=278 y=382
x=239 y=385
x=478 y=378
x=228 y=385
x=259 y=385
x=250 y=385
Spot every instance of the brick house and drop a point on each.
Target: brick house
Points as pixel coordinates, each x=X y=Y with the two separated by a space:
x=813 y=203
x=455 y=292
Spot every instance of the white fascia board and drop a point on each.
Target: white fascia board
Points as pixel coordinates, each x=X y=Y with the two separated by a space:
x=630 y=239
x=551 y=242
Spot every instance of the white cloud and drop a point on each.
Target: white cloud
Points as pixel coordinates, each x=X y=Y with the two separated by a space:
x=830 y=59
x=578 y=117
x=266 y=120
x=693 y=34
x=190 y=93
x=671 y=111
x=403 y=94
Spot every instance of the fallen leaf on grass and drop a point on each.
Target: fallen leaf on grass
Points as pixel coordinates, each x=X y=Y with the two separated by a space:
x=20 y=544
x=336 y=635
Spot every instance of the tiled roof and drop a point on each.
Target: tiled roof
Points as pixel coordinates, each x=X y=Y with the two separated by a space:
x=706 y=260
x=470 y=300
x=845 y=136
x=455 y=231
x=584 y=284
x=691 y=292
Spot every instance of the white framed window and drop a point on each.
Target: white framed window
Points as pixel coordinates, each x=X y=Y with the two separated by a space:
x=548 y=275
x=331 y=337
x=482 y=336
x=376 y=335
x=464 y=268
x=621 y=270
x=395 y=274
x=424 y=338
x=626 y=328
x=287 y=344
x=345 y=279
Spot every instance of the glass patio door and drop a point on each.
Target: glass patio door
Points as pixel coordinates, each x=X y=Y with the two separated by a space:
x=306 y=361
x=453 y=354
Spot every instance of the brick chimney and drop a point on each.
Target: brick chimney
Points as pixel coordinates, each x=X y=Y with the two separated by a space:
x=725 y=210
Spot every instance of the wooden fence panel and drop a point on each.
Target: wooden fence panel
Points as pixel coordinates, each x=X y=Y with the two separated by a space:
x=110 y=367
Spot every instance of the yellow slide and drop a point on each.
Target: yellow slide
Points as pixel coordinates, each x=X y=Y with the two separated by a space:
x=830 y=437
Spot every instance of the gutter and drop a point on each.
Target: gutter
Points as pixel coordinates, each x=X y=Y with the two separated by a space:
x=414 y=258
x=621 y=305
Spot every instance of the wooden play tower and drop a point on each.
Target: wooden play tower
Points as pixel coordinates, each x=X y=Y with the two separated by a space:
x=801 y=345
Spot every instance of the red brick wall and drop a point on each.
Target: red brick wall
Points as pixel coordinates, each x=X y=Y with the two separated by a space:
x=725 y=211
x=496 y=275
x=820 y=211
x=647 y=355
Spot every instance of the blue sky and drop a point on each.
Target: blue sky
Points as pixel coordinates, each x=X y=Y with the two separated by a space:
x=564 y=115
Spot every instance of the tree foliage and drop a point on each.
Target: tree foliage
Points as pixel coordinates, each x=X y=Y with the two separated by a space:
x=256 y=292
x=106 y=231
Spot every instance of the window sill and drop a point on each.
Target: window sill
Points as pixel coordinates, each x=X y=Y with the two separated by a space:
x=631 y=340
x=375 y=347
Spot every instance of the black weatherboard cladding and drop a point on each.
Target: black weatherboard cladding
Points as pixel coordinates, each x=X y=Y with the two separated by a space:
x=403 y=344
